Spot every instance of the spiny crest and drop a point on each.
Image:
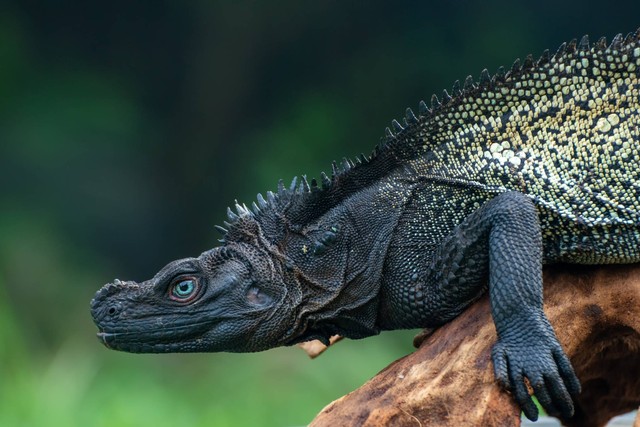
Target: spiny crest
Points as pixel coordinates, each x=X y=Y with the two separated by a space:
x=303 y=201
x=487 y=81
x=288 y=200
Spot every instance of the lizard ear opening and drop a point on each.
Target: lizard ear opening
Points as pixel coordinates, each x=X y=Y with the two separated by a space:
x=256 y=296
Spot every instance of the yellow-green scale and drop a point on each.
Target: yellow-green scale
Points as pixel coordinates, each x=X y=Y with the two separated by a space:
x=566 y=133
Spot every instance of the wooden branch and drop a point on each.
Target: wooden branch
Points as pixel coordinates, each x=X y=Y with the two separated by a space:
x=449 y=380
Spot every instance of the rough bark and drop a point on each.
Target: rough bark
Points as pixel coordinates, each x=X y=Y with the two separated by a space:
x=449 y=380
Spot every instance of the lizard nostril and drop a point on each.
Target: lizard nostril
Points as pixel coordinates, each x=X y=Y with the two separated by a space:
x=112 y=310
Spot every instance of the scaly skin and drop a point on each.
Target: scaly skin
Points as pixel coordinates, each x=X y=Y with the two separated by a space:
x=537 y=165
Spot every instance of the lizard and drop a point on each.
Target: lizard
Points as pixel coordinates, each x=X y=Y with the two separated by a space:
x=534 y=165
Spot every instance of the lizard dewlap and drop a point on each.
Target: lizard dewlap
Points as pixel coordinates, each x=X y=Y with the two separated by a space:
x=535 y=165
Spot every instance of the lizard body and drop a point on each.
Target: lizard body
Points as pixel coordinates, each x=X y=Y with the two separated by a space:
x=539 y=164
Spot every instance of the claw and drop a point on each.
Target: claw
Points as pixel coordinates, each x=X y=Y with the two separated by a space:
x=563 y=405
x=548 y=371
x=522 y=395
x=542 y=393
x=567 y=373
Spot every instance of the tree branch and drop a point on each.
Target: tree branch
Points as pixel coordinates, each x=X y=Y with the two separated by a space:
x=448 y=381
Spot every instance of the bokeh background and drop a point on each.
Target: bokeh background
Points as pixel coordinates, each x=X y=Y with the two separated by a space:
x=126 y=128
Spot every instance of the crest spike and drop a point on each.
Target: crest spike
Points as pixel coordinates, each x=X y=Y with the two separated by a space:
x=544 y=58
x=561 y=50
x=528 y=62
x=294 y=183
x=241 y=209
x=629 y=39
x=305 y=184
x=499 y=75
x=468 y=84
x=388 y=133
x=456 y=88
x=335 y=170
x=446 y=98
x=584 y=43
x=410 y=117
x=616 y=43
x=397 y=126
x=261 y=201
x=326 y=182
x=435 y=102
x=423 y=109
x=485 y=78
x=231 y=215
x=516 y=67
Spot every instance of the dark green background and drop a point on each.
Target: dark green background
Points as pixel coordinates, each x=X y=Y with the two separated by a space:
x=126 y=128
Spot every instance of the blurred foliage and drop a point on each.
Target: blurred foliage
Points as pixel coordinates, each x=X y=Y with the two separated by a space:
x=126 y=128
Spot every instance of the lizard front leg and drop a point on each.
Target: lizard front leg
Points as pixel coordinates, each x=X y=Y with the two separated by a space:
x=504 y=237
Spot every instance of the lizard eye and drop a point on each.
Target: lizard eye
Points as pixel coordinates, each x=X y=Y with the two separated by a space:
x=184 y=289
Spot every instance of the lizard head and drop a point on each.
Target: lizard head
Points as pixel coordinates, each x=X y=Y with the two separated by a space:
x=271 y=283
x=230 y=298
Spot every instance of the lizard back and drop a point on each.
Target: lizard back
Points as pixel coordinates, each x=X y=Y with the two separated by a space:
x=564 y=130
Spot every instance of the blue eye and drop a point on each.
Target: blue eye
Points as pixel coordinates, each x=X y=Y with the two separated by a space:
x=184 y=290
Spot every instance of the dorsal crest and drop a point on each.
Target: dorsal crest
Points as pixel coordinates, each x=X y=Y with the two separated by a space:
x=304 y=201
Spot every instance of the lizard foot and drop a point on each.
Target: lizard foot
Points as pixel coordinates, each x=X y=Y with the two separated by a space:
x=539 y=358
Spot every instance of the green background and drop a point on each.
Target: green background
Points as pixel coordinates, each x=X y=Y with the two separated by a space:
x=126 y=128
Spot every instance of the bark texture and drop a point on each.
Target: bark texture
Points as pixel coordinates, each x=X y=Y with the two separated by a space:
x=449 y=380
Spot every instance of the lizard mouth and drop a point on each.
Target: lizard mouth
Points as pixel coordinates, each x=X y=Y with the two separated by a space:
x=178 y=338
x=105 y=338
